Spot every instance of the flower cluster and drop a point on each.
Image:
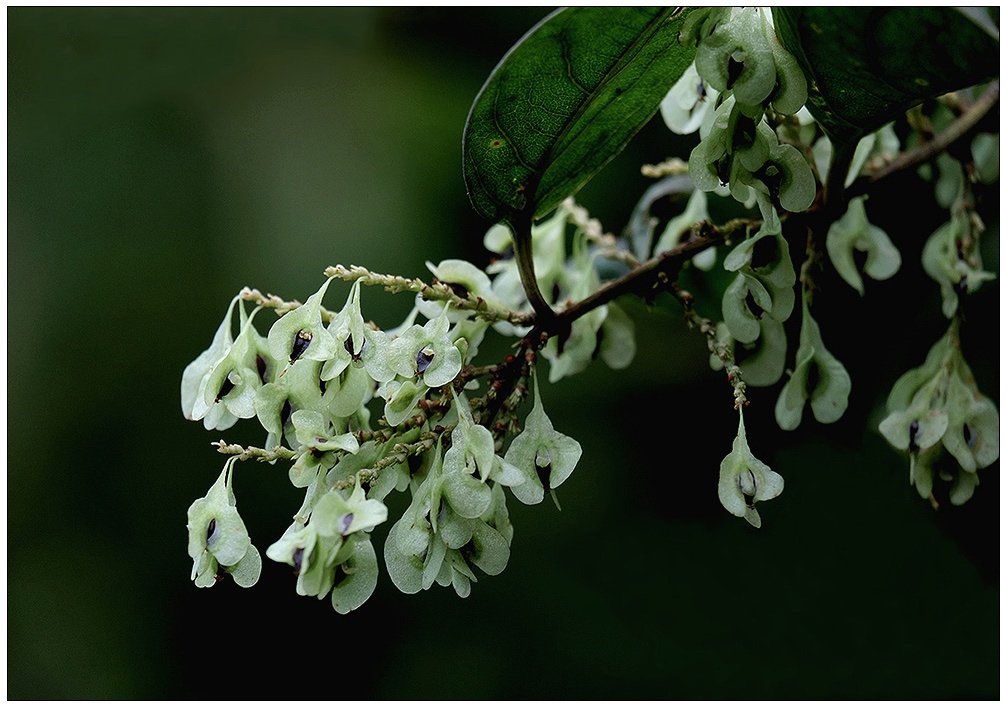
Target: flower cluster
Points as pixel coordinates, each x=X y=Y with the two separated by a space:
x=937 y=414
x=741 y=69
x=756 y=304
x=317 y=377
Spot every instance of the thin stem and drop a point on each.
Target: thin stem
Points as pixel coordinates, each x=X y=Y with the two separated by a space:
x=523 y=251
x=717 y=347
x=648 y=273
x=928 y=151
x=261 y=454
x=436 y=291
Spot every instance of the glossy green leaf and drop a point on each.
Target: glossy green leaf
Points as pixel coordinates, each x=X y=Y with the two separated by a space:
x=866 y=66
x=564 y=101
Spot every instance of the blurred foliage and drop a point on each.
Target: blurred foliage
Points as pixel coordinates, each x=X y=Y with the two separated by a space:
x=160 y=159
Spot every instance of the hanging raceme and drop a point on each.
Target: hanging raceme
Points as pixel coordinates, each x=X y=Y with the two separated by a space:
x=357 y=413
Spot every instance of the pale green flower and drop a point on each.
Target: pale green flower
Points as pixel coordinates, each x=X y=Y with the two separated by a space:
x=951 y=257
x=321 y=446
x=401 y=397
x=547 y=458
x=470 y=462
x=738 y=56
x=762 y=362
x=218 y=540
x=791 y=90
x=426 y=352
x=236 y=378
x=764 y=286
x=198 y=371
x=818 y=376
x=317 y=549
x=745 y=480
x=678 y=227
x=356 y=576
x=465 y=280
x=357 y=343
x=433 y=543
x=986 y=156
x=301 y=334
x=301 y=387
x=938 y=403
x=618 y=337
x=853 y=231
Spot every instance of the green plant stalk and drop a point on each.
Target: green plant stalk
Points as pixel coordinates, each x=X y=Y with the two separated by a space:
x=521 y=229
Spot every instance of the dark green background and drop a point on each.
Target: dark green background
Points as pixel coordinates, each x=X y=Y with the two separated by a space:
x=159 y=160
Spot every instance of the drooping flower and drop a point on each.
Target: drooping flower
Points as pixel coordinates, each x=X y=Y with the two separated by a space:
x=218 y=540
x=320 y=444
x=546 y=457
x=301 y=333
x=951 y=257
x=745 y=480
x=470 y=462
x=198 y=371
x=426 y=352
x=228 y=392
x=737 y=56
x=357 y=343
x=936 y=413
x=853 y=231
x=818 y=377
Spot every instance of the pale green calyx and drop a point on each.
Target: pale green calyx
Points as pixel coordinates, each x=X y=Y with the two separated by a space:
x=677 y=229
x=426 y=352
x=938 y=403
x=218 y=540
x=818 y=376
x=237 y=376
x=432 y=542
x=301 y=334
x=465 y=280
x=700 y=24
x=764 y=286
x=219 y=387
x=951 y=257
x=737 y=56
x=198 y=371
x=546 y=457
x=762 y=362
x=319 y=443
x=745 y=480
x=356 y=343
x=853 y=232
x=470 y=462
x=791 y=90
